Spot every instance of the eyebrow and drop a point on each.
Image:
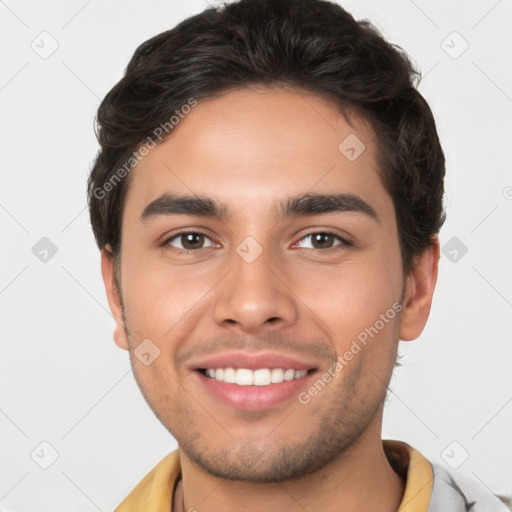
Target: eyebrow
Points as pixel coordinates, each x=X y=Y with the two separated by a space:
x=305 y=204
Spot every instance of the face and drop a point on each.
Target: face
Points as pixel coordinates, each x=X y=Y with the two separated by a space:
x=262 y=328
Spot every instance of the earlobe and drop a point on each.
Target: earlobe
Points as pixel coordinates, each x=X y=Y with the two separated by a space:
x=114 y=299
x=420 y=285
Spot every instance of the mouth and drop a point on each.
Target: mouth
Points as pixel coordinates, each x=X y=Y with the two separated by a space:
x=254 y=390
x=253 y=381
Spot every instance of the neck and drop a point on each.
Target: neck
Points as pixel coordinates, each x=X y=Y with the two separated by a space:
x=360 y=479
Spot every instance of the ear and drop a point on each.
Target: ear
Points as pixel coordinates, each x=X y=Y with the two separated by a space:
x=114 y=299
x=419 y=289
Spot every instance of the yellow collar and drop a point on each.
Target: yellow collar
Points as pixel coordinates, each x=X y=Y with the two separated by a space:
x=416 y=469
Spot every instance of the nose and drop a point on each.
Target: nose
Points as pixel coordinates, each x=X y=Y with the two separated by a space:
x=255 y=296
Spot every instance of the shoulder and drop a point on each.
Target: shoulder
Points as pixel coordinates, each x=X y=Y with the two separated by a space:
x=453 y=491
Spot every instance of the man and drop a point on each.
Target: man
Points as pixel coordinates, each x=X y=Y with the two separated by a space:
x=267 y=200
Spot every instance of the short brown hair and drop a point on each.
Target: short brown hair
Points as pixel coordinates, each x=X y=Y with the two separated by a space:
x=314 y=45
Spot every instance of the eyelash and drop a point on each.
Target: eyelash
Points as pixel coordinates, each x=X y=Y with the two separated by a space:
x=344 y=242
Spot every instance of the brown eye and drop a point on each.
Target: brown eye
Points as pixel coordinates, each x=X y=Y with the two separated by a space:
x=192 y=241
x=189 y=241
x=324 y=240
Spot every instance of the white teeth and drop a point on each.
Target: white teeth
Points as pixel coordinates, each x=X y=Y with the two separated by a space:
x=244 y=377
x=277 y=375
x=260 y=377
x=229 y=376
x=289 y=374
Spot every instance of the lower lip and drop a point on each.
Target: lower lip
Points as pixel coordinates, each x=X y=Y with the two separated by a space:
x=254 y=398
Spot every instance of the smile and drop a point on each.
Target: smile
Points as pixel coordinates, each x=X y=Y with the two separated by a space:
x=259 y=377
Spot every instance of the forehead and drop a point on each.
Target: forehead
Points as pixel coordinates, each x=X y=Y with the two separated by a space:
x=250 y=147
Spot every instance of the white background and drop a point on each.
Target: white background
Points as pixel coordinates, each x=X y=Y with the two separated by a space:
x=64 y=381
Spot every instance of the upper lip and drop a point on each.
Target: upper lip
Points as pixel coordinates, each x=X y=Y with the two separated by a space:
x=252 y=361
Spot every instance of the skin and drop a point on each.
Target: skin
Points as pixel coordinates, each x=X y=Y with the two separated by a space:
x=248 y=148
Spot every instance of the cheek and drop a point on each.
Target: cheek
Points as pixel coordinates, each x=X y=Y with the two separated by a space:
x=164 y=303
x=352 y=296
